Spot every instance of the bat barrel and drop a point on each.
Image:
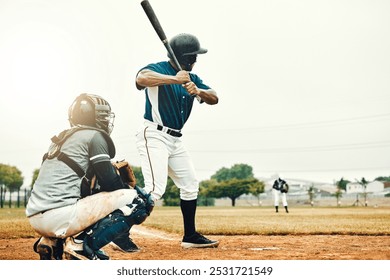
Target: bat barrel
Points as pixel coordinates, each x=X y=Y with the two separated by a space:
x=153 y=19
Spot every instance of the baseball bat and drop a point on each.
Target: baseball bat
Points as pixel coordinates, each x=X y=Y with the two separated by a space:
x=159 y=30
x=161 y=34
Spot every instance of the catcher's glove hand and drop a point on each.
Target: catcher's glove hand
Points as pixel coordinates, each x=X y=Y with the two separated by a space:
x=124 y=170
x=147 y=199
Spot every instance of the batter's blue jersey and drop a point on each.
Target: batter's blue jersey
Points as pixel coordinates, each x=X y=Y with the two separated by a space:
x=169 y=105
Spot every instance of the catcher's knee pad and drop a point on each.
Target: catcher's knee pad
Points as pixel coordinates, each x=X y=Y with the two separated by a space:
x=140 y=212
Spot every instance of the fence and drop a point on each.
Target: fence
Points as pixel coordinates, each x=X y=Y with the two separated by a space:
x=13 y=199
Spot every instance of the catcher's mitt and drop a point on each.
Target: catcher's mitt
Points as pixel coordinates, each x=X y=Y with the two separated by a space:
x=284 y=188
x=124 y=170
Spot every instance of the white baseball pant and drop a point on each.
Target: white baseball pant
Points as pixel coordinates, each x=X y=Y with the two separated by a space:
x=69 y=220
x=279 y=195
x=163 y=155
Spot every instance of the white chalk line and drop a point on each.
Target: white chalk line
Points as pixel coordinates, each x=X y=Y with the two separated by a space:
x=146 y=232
x=264 y=249
x=142 y=231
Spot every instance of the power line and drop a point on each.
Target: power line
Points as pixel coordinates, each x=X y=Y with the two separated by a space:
x=353 y=146
x=380 y=117
x=299 y=125
x=332 y=169
x=322 y=170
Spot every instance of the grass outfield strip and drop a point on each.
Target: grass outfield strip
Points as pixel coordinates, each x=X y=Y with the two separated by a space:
x=244 y=220
x=264 y=221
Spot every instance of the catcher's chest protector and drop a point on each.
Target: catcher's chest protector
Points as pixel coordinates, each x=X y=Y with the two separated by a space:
x=88 y=181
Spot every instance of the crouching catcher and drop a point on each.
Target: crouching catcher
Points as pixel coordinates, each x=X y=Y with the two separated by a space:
x=72 y=218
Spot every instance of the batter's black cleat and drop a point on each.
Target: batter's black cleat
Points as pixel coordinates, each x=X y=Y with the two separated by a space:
x=124 y=243
x=75 y=250
x=198 y=241
x=49 y=248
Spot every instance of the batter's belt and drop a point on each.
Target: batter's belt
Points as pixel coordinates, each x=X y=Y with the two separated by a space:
x=169 y=131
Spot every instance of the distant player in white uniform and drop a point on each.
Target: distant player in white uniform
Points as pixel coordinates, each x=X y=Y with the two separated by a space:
x=170 y=95
x=280 y=190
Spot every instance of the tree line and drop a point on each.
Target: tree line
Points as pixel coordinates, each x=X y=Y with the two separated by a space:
x=11 y=179
x=225 y=183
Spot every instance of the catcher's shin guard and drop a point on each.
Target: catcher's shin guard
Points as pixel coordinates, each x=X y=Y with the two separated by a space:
x=118 y=222
x=104 y=231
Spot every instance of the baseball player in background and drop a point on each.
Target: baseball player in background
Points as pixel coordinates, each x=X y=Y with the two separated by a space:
x=280 y=190
x=62 y=207
x=170 y=95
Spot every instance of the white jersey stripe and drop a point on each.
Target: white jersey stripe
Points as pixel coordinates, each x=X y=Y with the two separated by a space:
x=153 y=97
x=100 y=156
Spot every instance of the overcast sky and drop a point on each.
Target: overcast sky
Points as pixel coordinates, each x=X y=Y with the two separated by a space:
x=304 y=85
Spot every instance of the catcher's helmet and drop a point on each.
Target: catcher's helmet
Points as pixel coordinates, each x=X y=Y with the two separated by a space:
x=186 y=47
x=91 y=110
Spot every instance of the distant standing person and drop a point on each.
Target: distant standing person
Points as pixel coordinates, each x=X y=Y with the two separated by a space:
x=280 y=190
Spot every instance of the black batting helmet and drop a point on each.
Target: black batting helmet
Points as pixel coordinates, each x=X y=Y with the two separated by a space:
x=186 y=47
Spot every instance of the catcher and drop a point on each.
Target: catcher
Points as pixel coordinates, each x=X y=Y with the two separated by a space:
x=280 y=190
x=71 y=217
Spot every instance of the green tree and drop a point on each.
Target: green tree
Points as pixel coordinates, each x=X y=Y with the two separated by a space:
x=342 y=184
x=172 y=194
x=204 y=199
x=34 y=177
x=364 y=183
x=338 y=194
x=383 y=178
x=232 y=189
x=256 y=189
x=10 y=178
x=138 y=176
x=237 y=171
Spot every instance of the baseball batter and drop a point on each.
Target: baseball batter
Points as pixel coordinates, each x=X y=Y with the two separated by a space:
x=280 y=190
x=170 y=95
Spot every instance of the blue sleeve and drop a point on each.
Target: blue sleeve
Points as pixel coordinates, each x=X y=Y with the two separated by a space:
x=158 y=67
x=198 y=81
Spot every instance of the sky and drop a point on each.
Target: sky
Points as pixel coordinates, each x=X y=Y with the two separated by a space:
x=303 y=86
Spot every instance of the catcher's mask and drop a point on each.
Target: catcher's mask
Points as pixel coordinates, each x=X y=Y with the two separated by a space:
x=186 y=48
x=91 y=110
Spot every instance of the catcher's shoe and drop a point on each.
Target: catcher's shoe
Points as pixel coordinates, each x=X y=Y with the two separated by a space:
x=49 y=248
x=74 y=250
x=197 y=240
x=125 y=244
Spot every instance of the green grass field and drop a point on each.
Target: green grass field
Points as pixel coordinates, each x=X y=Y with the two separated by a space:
x=244 y=220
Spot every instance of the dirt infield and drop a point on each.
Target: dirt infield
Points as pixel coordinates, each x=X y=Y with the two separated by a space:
x=157 y=245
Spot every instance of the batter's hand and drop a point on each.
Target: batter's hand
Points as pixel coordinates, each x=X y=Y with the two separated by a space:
x=183 y=77
x=191 y=88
